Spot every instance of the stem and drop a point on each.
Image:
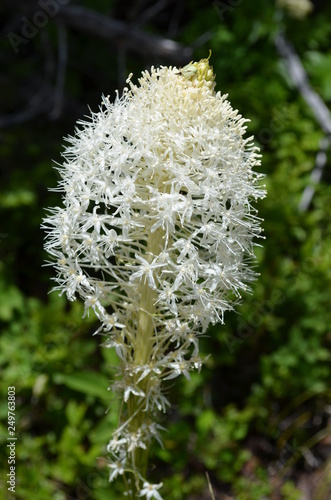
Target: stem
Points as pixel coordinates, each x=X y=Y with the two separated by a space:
x=145 y=331
x=144 y=339
x=143 y=350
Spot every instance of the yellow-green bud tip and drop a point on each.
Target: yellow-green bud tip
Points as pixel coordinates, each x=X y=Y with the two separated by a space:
x=200 y=72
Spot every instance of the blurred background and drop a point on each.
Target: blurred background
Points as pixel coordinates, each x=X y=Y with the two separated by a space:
x=257 y=418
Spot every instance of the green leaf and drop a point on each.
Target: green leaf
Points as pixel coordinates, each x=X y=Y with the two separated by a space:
x=11 y=299
x=87 y=382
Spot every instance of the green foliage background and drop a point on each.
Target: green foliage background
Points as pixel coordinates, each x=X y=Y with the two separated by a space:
x=257 y=418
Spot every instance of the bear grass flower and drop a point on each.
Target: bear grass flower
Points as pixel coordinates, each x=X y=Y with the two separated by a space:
x=156 y=235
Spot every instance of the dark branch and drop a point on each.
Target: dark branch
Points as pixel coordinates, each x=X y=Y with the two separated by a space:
x=96 y=24
x=38 y=105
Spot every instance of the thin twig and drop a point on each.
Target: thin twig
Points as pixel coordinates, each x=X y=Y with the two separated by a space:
x=316 y=175
x=150 y=12
x=300 y=80
x=210 y=487
x=61 y=73
x=121 y=66
x=176 y=17
x=202 y=39
x=318 y=107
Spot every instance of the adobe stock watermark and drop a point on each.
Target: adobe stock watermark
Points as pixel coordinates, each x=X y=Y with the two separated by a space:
x=247 y=327
x=30 y=27
x=276 y=125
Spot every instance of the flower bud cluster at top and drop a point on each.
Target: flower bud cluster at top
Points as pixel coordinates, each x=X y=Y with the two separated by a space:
x=156 y=231
x=201 y=73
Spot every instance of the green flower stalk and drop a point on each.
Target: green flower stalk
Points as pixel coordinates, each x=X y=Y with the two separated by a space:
x=156 y=235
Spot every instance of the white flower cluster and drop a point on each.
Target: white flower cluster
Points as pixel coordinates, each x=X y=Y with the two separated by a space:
x=156 y=233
